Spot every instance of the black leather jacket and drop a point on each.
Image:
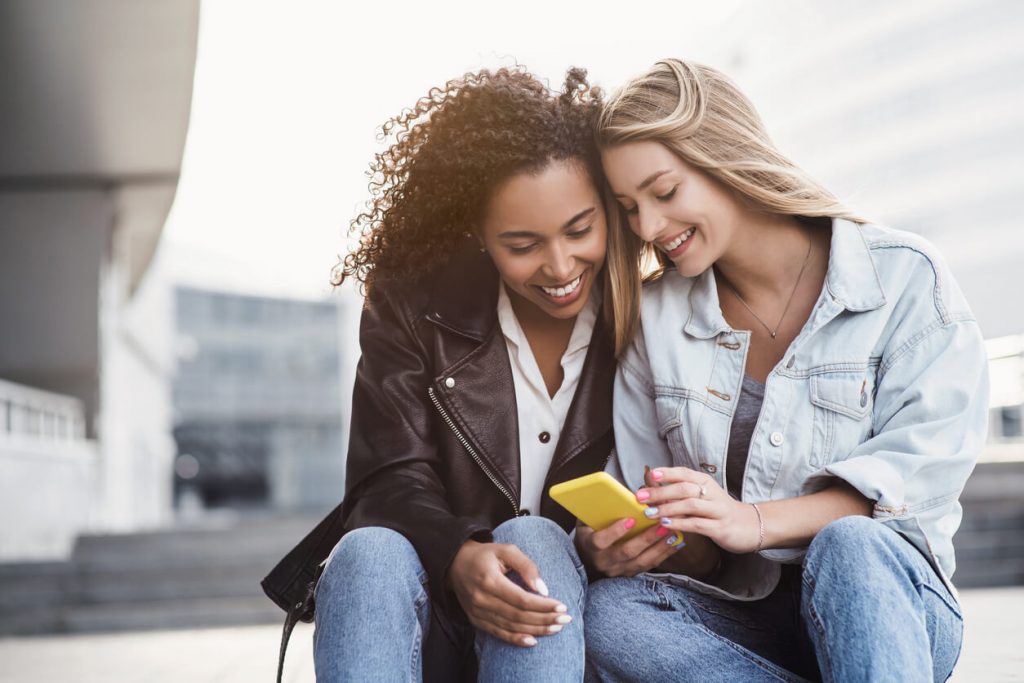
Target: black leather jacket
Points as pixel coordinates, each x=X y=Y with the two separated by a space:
x=434 y=445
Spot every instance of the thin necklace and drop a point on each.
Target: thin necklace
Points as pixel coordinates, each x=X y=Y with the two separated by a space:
x=810 y=243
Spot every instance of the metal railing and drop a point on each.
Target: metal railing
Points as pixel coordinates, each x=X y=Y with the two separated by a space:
x=29 y=412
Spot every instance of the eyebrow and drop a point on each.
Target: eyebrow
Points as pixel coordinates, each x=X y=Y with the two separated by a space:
x=648 y=180
x=512 y=234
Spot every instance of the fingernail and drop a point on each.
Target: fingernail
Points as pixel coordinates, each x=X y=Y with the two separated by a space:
x=563 y=619
x=642 y=495
x=665 y=521
x=682 y=544
x=561 y=608
x=541 y=587
x=651 y=513
x=662 y=532
x=629 y=523
x=529 y=641
x=657 y=474
x=554 y=628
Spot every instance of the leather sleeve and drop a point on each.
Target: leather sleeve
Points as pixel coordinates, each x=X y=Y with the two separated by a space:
x=393 y=458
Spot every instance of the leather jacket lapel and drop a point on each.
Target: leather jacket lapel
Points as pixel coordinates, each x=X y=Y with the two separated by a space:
x=589 y=420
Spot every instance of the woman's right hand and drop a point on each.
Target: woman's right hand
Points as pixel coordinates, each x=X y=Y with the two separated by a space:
x=609 y=554
x=497 y=605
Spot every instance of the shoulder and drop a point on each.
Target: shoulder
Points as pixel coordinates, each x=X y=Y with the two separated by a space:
x=670 y=293
x=911 y=269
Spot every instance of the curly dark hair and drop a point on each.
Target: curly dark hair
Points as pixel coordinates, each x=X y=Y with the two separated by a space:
x=430 y=187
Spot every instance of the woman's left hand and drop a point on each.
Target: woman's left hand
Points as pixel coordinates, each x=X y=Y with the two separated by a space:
x=691 y=501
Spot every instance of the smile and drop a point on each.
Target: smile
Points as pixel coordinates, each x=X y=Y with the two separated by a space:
x=563 y=291
x=675 y=244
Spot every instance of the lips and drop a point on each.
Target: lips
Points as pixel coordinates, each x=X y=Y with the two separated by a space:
x=679 y=240
x=564 y=294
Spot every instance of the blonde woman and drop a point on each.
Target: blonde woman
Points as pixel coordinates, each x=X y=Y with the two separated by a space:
x=809 y=391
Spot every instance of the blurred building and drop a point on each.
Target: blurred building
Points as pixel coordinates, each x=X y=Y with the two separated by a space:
x=258 y=401
x=94 y=106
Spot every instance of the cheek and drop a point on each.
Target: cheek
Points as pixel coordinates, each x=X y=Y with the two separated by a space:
x=514 y=270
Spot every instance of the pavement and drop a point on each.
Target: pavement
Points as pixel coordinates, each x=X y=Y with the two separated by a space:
x=992 y=651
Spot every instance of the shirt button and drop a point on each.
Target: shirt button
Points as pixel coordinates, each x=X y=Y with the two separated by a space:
x=708 y=467
x=544 y=437
x=776 y=438
x=450 y=382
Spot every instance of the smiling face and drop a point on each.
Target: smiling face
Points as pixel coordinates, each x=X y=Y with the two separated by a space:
x=681 y=210
x=547 y=235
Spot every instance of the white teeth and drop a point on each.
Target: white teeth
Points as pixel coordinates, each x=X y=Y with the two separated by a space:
x=674 y=244
x=568 y=289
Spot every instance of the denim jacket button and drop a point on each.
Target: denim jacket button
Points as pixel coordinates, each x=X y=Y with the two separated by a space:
x=708 y=467
x=776 y=438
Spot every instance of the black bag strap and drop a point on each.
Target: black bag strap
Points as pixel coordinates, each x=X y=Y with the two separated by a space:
x=301 y=609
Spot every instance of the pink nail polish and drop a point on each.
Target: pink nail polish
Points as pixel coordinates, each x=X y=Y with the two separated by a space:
x=657 y=474
x=662 y=532
x=630 y=523
x=642 y=495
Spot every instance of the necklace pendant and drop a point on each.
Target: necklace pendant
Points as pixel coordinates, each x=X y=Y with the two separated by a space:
x=773 y=335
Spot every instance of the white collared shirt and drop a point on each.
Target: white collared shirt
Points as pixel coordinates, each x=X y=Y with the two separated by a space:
x=541 y=417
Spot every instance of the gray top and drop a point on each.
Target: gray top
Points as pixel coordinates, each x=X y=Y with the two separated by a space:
x=748 y=408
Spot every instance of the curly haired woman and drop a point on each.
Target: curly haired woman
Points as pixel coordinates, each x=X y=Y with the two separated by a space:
x=485 y=377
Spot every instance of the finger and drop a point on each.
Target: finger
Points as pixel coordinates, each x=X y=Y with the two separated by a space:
x=513 y=618
x=627 y=551
x=520 y=639
x=516 y=559
x=513 y=626
x=691 y=507
x=651 y=557
x=606 y=538
x=672 y=475
x=676 y=491
x=507 y=591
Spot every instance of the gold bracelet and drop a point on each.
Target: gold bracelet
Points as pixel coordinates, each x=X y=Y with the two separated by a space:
x=760 y=528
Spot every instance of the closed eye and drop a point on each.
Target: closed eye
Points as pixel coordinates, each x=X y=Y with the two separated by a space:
x=582 y=232
x=668 y=195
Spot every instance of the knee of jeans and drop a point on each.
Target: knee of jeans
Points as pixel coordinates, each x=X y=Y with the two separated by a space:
x=851 y=539
x=523 y=531
x=371 y=554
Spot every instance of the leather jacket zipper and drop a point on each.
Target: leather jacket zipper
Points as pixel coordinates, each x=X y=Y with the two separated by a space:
x=469 y=449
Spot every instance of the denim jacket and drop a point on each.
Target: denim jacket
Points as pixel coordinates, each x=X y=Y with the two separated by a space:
x=885 y=388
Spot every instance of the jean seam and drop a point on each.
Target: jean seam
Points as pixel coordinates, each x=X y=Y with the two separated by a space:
x=821 y=648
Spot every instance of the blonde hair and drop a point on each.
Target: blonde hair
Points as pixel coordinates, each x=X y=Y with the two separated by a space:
x=699 y=114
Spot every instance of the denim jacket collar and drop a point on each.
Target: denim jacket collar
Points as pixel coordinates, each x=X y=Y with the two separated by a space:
x=852 y=281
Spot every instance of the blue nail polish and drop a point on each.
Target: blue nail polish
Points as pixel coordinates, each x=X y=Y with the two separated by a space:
x=665 y=521
x=651 y=513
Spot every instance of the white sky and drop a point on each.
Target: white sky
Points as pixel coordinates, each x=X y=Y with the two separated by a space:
x=288 y=97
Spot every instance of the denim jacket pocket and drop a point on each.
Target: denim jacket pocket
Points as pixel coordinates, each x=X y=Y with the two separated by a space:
x=842 y=409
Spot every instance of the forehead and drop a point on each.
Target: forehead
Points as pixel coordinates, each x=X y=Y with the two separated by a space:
x=629 y=164
x=542 y=201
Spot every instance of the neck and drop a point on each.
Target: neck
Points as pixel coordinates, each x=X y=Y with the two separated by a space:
x=766 y=256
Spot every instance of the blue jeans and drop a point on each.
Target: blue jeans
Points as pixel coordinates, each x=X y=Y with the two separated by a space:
x=866 y=606
x=373 y=613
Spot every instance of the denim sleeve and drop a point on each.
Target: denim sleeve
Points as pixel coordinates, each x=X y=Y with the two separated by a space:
x=638 y=441
x=930 y=421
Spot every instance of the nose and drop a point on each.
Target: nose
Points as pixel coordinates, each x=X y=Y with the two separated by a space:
x=649 y=224
x=561 y=262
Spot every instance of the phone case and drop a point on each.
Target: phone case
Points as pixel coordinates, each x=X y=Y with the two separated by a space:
x=599 y=500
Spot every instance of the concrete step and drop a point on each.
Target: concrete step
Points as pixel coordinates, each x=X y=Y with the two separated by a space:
x=206 y=575
x=142 y=615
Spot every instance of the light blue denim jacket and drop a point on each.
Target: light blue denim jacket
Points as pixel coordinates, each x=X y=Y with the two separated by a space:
x=885 y=388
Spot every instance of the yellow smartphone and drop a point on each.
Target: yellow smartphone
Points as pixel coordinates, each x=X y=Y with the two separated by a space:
x=599 y=500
